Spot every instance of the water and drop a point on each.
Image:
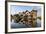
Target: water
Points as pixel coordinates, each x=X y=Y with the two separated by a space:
x=18 y=25
x=38 y=23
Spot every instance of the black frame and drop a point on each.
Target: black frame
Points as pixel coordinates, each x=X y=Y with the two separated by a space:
x=6 y=30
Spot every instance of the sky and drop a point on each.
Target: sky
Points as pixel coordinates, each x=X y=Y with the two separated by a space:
x=15 y=9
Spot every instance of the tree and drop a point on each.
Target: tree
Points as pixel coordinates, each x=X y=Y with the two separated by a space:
x=39 y=17
x=11 y=18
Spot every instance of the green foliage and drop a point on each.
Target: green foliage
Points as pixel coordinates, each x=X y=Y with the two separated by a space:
x=39 y=18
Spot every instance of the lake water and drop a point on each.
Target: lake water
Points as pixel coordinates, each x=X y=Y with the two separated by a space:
x=18 y=25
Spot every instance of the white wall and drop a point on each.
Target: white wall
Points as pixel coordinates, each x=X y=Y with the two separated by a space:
x=29 y=0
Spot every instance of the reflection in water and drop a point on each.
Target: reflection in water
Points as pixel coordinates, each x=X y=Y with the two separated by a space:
x=38 y=23
x=21 y=25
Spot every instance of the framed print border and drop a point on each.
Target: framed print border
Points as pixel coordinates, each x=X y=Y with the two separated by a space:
x=6 y=12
